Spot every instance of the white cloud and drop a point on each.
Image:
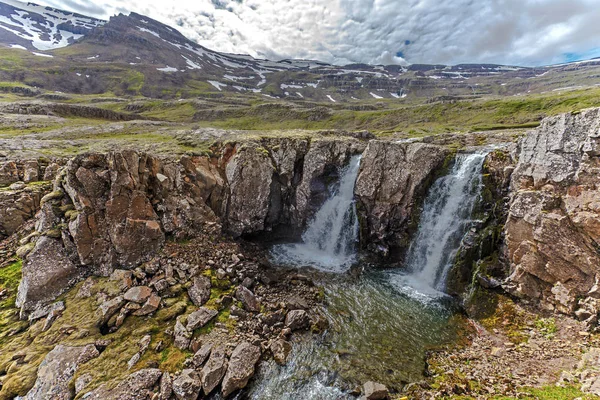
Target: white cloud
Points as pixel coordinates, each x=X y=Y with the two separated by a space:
x=525 y=32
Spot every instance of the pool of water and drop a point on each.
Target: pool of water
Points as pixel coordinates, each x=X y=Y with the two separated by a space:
x=380 y=329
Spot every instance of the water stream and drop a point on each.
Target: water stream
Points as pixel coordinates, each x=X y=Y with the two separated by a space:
x=329 y=242
x=383 y=321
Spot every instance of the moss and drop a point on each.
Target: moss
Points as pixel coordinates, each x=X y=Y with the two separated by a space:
x=55 y=195
x=546 y=326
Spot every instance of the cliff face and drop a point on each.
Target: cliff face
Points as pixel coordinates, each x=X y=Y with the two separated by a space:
x=392 y=178
x=113 y=210
x=553 y=227
x=281 y=183
x=116 y=210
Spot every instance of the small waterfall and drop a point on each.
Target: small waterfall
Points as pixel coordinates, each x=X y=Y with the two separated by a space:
x=445 y=219
x=329 y=242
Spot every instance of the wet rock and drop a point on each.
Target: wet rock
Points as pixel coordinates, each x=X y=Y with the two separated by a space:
x=281 y=350
x=57 y=369
x=240 y=368
x=187 y=386
x=375 y=391
x=199 y=292
x=297 y=320
x=214 y=370
x=248 y=299
x=138 y=294
x=141 y=385
x=392 y=178
x=200 y=317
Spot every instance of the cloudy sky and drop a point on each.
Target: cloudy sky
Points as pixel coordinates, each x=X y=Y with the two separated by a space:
x=518 y=32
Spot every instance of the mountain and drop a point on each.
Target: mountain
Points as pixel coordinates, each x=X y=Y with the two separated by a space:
x=135 y=55
x=36 y=27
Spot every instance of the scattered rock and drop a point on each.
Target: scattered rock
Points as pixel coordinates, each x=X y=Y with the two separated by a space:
x=201 y=355
x=248 y=299
x=375 y=391
x=187 y=386
x=182 y=335
x=140 y=385
x=149 y=306
x=297 y=320
x=199 y=292
x=199 y=318
x=241 y=368
x=214 y=370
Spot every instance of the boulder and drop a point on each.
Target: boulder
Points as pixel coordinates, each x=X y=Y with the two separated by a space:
x=281 y=350
x=375 y=391
x=297 y=320
x=214 y=370
x=56 y=371
x=200 y=317
x=249 y=301
x=240 y=368
x=48 y=271
x=141 y=385
x=138 y=294
x=201 y=355
x=199 y=292
x=182 y=335
x=166 y=387
x=149 y=306
x=187 y=386
x=109 y=308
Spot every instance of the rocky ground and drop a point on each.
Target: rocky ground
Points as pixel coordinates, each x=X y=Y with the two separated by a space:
x=200 y=314
x=516 y=353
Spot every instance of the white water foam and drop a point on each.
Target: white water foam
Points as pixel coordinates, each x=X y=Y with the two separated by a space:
x=329 y=242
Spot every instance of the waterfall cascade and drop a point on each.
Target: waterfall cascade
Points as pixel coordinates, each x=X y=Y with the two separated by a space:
x=445 y=219
x=330 y=240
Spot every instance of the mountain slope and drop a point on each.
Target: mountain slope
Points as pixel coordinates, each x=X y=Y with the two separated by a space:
x=135 y=55
x=41 y=28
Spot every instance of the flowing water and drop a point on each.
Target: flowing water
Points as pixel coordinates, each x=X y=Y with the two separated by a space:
x=329 y=242
x=382 y=322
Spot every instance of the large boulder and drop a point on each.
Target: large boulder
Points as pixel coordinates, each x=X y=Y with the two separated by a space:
x=214 y=370
x=553 y=227
x=188 y=385
x=199 y=292
x=241 y=368
x=393 y=178
x=57 y=370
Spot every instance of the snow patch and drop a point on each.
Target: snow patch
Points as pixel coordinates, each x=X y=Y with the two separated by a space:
x=376 y=96
x=331 y=98
x=167 y=69
x=42 y=55
x=217 y=84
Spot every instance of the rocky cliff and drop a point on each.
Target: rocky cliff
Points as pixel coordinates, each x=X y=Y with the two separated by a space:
x=553 y=226
x=116 y=210
x=393 y=178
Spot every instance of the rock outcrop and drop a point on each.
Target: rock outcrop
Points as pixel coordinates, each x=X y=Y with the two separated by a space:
x=281 y=182
x=392 y=178
x=553 y=226
x=114 y=210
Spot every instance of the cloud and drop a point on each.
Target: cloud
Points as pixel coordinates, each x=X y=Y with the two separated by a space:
x=518 y=32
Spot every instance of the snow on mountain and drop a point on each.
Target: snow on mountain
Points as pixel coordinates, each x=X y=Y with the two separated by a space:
x=41 y=28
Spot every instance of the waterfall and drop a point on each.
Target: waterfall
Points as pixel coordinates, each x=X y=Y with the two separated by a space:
x=445 y=218
x=329 y=242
